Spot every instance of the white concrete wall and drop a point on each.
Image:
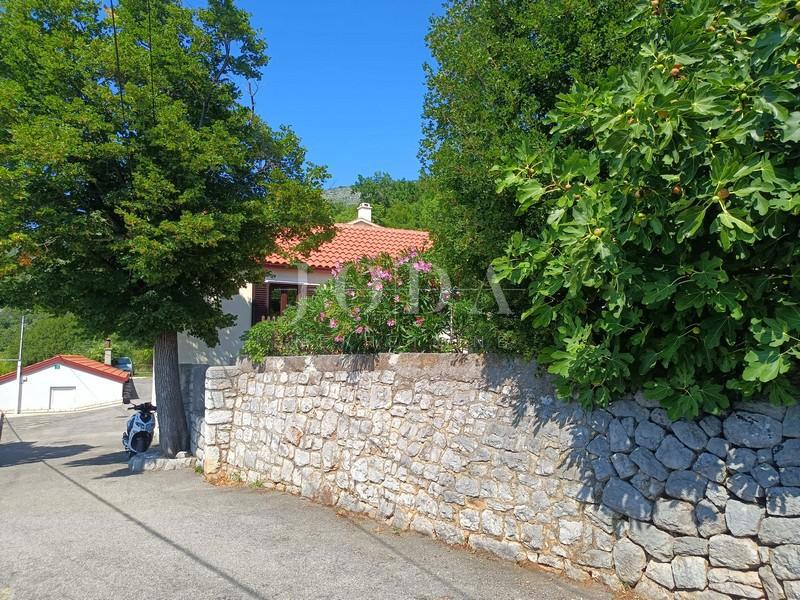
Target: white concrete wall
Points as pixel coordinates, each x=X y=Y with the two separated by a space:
x=90 y=390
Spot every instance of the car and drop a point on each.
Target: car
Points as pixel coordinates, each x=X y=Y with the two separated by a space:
x=123 y=363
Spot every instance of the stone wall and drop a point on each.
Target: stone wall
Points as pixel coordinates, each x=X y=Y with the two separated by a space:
x=475 y=450
x=193 y=391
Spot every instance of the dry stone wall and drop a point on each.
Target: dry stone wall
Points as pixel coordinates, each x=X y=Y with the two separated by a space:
x=193 y=378
x=475 y=450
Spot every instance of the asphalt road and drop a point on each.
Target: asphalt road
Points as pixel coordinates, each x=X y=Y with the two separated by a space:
x=75 y=524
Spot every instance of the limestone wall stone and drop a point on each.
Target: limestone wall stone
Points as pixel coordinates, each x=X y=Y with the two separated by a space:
x=475 y=450
x=193 y=378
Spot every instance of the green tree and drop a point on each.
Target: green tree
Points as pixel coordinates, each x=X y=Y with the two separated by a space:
x=499 y=66
x=668 y=255
x=397 y=203
x=137 y=193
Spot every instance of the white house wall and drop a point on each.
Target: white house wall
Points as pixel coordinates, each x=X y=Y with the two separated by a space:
x=90 y=390
x=194 y=351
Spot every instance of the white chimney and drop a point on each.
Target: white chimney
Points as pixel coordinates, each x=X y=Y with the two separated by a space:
x=365 y=212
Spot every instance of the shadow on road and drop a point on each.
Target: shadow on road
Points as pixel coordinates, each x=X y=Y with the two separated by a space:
x=112 y=458
x=23 y=453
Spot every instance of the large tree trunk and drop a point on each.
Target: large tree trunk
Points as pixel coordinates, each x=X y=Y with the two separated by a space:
x=172 y=430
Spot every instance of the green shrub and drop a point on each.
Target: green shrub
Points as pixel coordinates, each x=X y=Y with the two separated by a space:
x=668 y=254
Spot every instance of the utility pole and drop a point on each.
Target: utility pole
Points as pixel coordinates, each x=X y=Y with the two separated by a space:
x=19 y=365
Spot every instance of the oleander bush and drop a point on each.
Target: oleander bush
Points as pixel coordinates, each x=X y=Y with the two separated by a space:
x=667 y=256
x=373 y=305
x=386 y=305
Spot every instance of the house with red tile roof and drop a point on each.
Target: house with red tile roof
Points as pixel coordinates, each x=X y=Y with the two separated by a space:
x=290 y=276
x=62 y=383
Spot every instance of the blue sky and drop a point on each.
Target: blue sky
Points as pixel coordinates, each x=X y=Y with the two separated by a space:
x=347 y=77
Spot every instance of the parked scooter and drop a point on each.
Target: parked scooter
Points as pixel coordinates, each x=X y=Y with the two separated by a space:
x=141 y=426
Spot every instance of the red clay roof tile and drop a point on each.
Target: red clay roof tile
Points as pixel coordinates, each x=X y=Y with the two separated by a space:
x=353 y=242
x=75 y=361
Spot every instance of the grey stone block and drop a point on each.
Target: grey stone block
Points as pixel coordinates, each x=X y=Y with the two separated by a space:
x=710 y=521
x=783 y=501
x=785 y=561
x=652 y=489
x=674 y=455
x=647 y=588
x=599 y=447
x=717 y=494
x=790 y=476
x=740 y=584
x=743 y=519
x=657 y=543
x=603 y=469
x=649 y=464
x=744 y=487
x=675 y=516
x=661 y=573
x=741 y=460
x=624 y=466
x=690 y=572
x=752 y=430
x=711 y=425
x=686 y=485
x=772 y=587
x=629 y=408
x=659 y=416
x=766 y=476
x=649 y=435
x=629 y=561
x=691 y=546
x=791 y=422
x=775 y=531
x=600 y=559
x=792 y=589
x=719 y=447
x=618 y=438
x=691 y=434
x=711 y=467
x=599 y=420
x=622 y=497
x=733 y=553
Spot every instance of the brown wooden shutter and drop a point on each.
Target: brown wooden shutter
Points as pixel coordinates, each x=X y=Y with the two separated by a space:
x=260 y=302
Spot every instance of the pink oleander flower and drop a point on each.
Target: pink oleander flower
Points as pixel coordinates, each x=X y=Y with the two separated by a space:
x=333 y=323
x=397 y=298
x=356 y=310
x=360 y=329
x=322 y=316
x=391 y=322
x=339 y=339
x=423 y=266
x=337 y=268
x=351 y=293
x=419 y=321
x=445 y=295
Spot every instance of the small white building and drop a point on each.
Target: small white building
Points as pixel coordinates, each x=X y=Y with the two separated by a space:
x=61 y=384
